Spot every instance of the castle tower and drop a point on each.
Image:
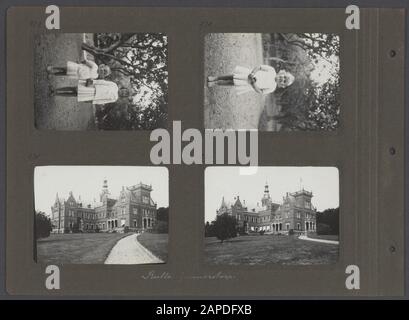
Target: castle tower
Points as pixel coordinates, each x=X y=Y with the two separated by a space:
x=303 y=198
x=104 y=193
x=266 y=200
x=71 y=202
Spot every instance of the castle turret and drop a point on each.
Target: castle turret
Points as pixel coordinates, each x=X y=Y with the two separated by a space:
x=104 y=193
x=303 y=198
x=266 y=200
x=223 y=208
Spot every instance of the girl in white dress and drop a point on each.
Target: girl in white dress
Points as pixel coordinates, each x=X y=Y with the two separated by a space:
x=88 y=69
x=262 y=79
x=95 y=91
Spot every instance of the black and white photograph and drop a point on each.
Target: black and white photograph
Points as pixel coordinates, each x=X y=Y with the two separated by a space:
x=100 y=81
x=278 y=215
x=272 y=81
x=101 y=214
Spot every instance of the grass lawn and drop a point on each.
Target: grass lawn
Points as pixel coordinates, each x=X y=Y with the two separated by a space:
x=269 y=249
x=78 y=248
x=157 y=243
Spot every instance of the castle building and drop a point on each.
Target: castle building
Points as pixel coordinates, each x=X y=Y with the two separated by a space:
x=133 y=209
x=295 y=214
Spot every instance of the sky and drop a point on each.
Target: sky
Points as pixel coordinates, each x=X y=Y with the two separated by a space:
x=87 y=181
x=226 y=181
x=325 y=69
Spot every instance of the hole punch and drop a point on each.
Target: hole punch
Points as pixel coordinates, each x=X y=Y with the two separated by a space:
x=392 y=53
x=392 y=151
x=392 y=249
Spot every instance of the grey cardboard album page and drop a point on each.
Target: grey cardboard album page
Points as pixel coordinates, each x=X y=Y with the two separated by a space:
x=192 y=152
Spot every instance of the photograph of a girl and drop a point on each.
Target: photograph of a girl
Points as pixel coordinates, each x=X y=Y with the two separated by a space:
x=86 y=69
x=271 y=81
x=95 y=91
x=262 y=79
x=100 y=81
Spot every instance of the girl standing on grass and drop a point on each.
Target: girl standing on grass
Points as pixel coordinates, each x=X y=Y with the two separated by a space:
x=262 y=79
x=95 y=91
x=87 y=69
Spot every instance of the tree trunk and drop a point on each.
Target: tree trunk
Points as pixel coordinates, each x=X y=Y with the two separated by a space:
x=125 y=37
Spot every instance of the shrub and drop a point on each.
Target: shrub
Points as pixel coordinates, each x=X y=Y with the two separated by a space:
x=330 y=221
x=43 y=225
x=210 y=230
x=161 y=227
x=323 y=228
x=225 y=227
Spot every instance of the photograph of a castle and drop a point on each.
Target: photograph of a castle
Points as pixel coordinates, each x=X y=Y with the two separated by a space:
x=292 y=220
x=133 y=210
x=111 y=215
x=296 y=213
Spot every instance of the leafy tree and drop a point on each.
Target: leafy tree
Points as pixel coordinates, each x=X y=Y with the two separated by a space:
x=210 y=229
x=138 y=62
x=311 y=107
x=43 y=226
x=162 y=216
x=306 y=105
x=328 y=221
x=323 y=228
x=225 y=227
x=323 y=45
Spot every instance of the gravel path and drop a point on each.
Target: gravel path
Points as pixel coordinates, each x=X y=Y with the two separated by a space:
x=318 y=240
x=223 y=108
x=129 y=251
x=53 y=112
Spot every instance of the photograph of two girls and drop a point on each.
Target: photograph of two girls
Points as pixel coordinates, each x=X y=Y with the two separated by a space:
x=119 y=81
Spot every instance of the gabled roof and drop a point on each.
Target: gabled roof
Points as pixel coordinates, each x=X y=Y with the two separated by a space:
x=238 y=203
